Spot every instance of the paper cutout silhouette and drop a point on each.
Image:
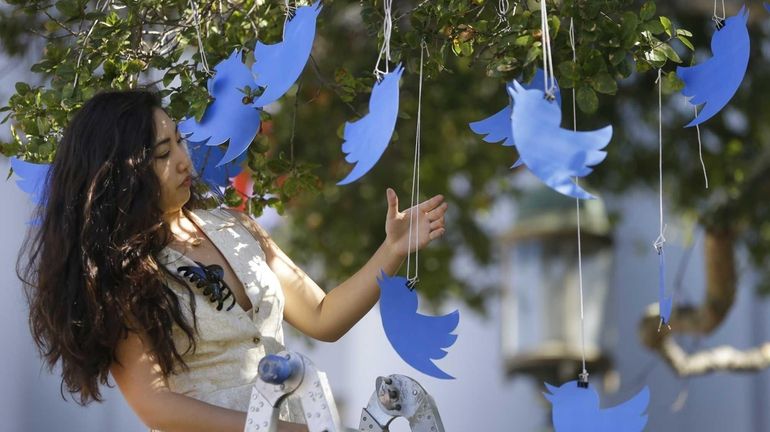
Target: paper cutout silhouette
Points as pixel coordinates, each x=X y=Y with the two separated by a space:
x=277 y=67
x=576 y=409
x=367 y=138
x=715 y=81
x=417 y=338
x=227 y=117
x=555 y=155
x=664 y=303
x=205 y=158
x=497 y=127
x=32 y=179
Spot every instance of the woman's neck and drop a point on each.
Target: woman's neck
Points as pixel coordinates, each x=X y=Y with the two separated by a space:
x=181 y=227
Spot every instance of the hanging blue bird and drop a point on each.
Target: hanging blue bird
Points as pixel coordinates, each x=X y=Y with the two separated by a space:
x=367 y=138
x=497 y=127
x=576 y=409
x=418 y=339
x=715 y=81
x=555 y=155
x=229 y=116
x=32 y=180
x=277 y=67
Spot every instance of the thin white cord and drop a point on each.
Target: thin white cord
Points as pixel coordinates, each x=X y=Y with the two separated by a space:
x=202 y=52
x=387 y=27
x=577 y=206
x=550 y=81
x=661 y=240
x=700 y=151
x=724 y=15
x=414 y=213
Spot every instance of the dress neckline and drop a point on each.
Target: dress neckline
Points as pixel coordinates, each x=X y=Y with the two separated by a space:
x=208 y=230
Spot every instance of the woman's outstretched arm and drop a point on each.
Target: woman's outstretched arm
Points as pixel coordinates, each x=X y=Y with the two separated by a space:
x=328 y=317
x=139 y=378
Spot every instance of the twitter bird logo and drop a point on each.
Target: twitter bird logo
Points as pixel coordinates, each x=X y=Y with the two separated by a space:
x=553 y=154
x=277 y=67
x=576 y=409
x=715 y=81
x=227 y=117
x=417 y=338
x=367 y=138
x=32 y=180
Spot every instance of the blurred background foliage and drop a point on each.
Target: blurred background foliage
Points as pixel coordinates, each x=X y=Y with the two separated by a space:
x=473 y=46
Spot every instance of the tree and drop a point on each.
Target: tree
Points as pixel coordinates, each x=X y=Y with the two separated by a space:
x=472 y=49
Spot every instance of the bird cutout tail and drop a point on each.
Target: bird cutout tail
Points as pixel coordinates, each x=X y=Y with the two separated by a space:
x=278 y=66
x=229 y=117
x=367 y=138
x=418 y=339
x=715 y=81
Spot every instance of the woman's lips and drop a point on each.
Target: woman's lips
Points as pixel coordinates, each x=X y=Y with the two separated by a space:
x=187 y=182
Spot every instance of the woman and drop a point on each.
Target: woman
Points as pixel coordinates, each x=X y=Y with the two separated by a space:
x=128 y=275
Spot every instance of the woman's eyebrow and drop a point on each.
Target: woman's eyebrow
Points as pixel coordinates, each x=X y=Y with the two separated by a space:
x=167 y=139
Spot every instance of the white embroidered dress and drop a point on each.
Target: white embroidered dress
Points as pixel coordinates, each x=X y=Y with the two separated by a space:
x=231 y=343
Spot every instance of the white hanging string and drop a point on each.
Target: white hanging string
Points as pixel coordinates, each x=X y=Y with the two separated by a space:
x=719 y=19
x=550 y=81
x=202 y=52
x=661 y=240
x=503 y=6
x=289 y=9
x=387 y=27
x=700 y=151
x=584 y=375
x=414 y=214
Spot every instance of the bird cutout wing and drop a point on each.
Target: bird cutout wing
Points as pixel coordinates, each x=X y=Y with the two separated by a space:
x=367 y=138
x=577 y=409
x=664 y=303
x=228 y=117
x=715 y=81
x=205 y=158
x=31 y=178
x=498 y=127
x=277 y=66
x=418 y=339
x=555 y=155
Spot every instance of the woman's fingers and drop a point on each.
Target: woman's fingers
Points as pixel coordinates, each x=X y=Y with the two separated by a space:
x=431 y=204
x=436 y=233
x=438 y=212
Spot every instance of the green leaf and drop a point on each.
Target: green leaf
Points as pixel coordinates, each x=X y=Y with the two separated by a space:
x=647 y=11
x=686 y=42
x=604 y=83
x=569 y=69
x=670 y=53
x=667 y=26
x=587 y=100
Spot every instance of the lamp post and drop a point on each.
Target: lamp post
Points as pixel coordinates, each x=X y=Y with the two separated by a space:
x=541 y=310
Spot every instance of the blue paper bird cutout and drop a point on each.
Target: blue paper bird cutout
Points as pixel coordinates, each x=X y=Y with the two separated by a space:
x=498 y=127
x=367 y=138
x=664 y=303
x=576 y=409
x=553 y=154
x=227 y=117
x=205 y=158
x=417 y=338
x=32 y=180
x=277 y=67
x=715 y=81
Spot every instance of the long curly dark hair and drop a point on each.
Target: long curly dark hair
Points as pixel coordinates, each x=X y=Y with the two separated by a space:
x=89 y=269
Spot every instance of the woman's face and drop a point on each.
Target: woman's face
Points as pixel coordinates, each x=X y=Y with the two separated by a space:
x=171 y=163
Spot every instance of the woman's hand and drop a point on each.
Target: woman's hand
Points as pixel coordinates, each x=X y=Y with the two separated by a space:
x=428 y=224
